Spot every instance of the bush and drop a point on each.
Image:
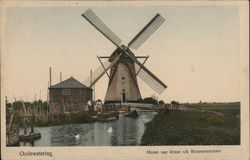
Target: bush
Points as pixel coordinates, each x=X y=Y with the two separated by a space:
x=174 y=102
x=150 y=100
x=81 y=117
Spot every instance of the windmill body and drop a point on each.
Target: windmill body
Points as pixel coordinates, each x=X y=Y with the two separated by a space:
x=123 y=85
x=124 y=66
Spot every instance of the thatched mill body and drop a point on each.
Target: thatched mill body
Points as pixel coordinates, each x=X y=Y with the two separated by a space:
x=124 y=66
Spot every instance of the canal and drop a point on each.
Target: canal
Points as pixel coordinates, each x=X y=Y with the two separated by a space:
x=125 y=131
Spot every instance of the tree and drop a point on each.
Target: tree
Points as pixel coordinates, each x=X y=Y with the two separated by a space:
x=161 y=102
x=98 y=100
x=174 y=102
x=150 y=100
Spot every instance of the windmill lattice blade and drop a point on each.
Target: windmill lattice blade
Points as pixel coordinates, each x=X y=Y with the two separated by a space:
x=91 y=17
x=150 y=81
x=146 y=32
x=98 y=71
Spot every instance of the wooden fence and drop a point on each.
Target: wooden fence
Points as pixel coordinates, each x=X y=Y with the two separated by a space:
x=186 y=108
x=181 y=107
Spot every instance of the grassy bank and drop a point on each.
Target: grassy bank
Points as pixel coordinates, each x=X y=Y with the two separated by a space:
x=229 y=109
x=191 y=128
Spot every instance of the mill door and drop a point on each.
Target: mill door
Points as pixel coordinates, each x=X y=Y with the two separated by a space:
x=123 y=96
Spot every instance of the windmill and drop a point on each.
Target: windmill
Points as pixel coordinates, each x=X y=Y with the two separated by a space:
x=124 y=66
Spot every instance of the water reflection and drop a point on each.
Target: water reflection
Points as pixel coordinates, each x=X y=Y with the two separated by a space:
x=126 y=131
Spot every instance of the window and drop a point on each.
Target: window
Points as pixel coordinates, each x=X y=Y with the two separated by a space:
x=66 y=91
x=123 y=90
x=123 y=78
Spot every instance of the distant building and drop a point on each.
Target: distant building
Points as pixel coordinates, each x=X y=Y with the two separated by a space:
x=69 y=96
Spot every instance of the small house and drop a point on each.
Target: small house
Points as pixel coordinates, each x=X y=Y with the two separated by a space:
x=69 y=96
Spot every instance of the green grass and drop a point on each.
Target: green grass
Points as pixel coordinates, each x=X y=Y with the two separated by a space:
x=229 y=109
x=191 y=128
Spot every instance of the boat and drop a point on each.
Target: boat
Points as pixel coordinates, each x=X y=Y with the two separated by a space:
x=29 y=137
x=133 y=114
x=29 y=134
x=106 y=117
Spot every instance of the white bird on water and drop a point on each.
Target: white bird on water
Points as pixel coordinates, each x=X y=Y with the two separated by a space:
x=110 y=130
x=77 y=136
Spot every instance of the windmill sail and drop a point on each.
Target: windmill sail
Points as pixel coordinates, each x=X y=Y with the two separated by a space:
x=123 y=65
x=100 y=71
x=151 y=82
x=96 y=73
x=158 y=85
x=92 y=18
x=146 y=32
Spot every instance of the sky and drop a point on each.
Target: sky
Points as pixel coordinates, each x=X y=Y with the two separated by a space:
x=195 y=52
